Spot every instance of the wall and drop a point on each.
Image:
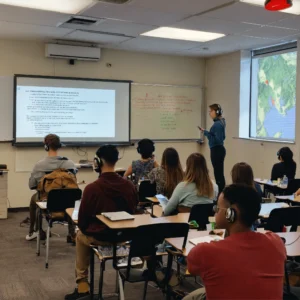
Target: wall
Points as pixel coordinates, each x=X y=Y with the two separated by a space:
x=223 y=86
x=27 y=57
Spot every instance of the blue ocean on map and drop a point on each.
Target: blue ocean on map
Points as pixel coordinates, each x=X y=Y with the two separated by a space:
x=276 y=122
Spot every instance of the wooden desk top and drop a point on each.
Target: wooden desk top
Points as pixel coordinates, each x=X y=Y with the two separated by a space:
x=69 y=212
x=291 y=237
x=145 y=219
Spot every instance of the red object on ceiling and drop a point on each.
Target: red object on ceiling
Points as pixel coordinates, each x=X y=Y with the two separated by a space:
x=275 y=5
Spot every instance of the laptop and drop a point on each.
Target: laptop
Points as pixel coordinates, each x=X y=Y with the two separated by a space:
x=118 y=216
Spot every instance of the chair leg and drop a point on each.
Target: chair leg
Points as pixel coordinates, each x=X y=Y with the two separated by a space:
x=92 y=273
x=145 y=290
x=47 y=246
x=101 y=279
x=121 y=288
x=38 y=230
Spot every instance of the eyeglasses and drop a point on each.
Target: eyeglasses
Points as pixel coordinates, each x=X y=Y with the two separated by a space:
x=216 y=209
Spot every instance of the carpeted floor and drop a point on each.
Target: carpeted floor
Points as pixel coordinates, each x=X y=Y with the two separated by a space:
x=23 y=275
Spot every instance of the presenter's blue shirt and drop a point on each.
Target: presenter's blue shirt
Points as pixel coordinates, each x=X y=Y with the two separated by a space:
x=216 y=135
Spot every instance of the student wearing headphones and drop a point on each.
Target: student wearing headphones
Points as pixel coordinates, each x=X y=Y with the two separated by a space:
x=286 y=166
x=143 y=166
x=50 y=163
x=109 y=193
x=216 y=137
x=246 y=264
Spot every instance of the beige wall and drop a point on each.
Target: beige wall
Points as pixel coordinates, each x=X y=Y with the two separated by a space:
x=223 y=86
x=28 y=58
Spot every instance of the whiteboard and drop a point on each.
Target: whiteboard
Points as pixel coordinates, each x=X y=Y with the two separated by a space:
x=165 y=112
x=7 y=108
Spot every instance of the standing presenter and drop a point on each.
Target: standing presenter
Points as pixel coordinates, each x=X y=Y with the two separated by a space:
x=216 y=137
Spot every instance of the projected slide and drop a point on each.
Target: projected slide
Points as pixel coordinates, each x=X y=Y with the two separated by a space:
x=80 y=111
x=274 y=96
x=68 y=112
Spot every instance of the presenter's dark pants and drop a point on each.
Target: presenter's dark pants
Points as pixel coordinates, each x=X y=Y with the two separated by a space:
x=217 y=155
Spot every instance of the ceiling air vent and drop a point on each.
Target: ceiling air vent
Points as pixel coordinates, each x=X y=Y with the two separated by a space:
x=81 y=21
x=115 y=1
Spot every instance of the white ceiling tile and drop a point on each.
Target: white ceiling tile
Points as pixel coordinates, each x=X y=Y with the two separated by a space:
x=133 y=14
x=214 y=25
x=175 y=6
x=123 y=27
x=148 y=43
x=99 y=38
x=243 y=12
x=292 y=22
x=27 y=31
x=31 y=16
x=271 y=32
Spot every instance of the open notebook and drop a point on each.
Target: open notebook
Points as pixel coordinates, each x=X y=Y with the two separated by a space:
x=118 y=216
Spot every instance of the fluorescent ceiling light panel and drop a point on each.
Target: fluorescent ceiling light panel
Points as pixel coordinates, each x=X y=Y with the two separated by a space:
x=183 y=34
x=62 y=6
x=295 y=9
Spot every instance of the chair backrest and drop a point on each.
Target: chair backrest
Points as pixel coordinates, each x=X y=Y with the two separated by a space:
x=280 y=217
x=148 y=237
x=200 y=213
x=293 y=186
x=61 y=199
x=146 y=189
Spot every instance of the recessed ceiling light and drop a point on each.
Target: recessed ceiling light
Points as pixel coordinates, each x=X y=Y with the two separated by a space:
x=295 y=9
x=62 y=6
x=183 y=34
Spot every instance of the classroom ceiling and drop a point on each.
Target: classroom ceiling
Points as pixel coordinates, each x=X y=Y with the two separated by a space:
x=119 y=26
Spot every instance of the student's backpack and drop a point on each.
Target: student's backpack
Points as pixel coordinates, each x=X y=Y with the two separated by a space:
x=58 y=179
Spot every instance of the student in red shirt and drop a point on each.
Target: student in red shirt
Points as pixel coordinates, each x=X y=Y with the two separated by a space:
x=109 y=193
x=246 y=264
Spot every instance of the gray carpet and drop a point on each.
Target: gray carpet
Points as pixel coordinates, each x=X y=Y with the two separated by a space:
x=23 y=275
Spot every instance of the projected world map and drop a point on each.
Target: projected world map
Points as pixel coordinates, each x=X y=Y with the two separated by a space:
x=276 y=92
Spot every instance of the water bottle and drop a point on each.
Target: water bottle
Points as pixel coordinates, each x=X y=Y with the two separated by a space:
x=285 y=182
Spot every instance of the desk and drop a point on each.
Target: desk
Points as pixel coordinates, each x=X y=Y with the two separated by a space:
x=268 y=182
x=69 y=212
x=140 y=220
x=153 y=200
x=266 y=208
x=290 y=237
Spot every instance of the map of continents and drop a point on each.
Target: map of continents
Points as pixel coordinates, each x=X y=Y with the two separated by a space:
x=276 y=110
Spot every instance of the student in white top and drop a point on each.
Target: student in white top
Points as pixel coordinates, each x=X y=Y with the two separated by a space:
x=196 y=188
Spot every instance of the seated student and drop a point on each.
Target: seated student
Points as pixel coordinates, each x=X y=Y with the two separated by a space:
x=109 y=193
x=142 y=167
x=242 y=173
x=286 y=166
x=47 y=165
x=246 y=264
x=169 y=174
x=196 y=188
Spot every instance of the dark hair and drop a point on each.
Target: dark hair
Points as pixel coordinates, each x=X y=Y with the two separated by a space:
x=287 y=155
x=216 y=107
x=52 y=141
x=246 y=199
x=197 y=172
x=242 y=173
x=146 y=148
x=171 y=164
x=109 y=154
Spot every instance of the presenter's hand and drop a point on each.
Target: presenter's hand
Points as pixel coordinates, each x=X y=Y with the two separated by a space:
x=201 y=129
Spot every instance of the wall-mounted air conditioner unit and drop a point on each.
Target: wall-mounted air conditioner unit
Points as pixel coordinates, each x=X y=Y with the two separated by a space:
x=73 y=52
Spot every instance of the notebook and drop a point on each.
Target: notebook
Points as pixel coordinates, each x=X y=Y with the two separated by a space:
x=118 y=216
x=162 y=200
x=205 y=239
x=76 y=210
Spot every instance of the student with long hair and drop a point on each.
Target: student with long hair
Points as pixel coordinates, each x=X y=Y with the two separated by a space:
x=286 y=166
x=196 y=187
x=242 y=173
x=169 y=174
